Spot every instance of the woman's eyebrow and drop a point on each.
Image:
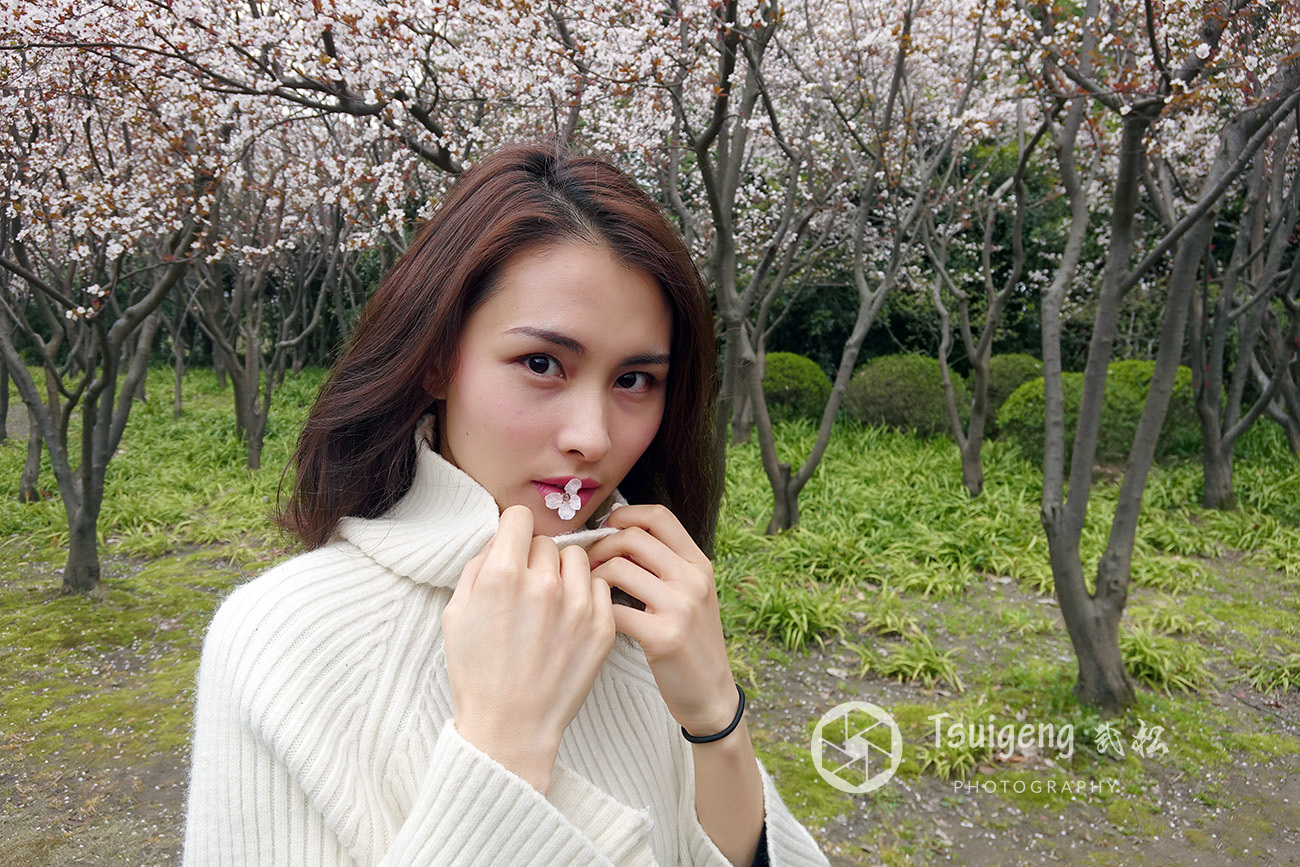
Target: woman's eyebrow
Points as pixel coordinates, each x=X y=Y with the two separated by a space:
x=578 y=349
x=647 y=360
x=550 y=337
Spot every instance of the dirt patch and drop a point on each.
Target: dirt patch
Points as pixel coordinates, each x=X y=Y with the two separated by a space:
x=16 y=423
x=1240 y=808
x=56 y=813
x=73 y=806
x=1246 y=813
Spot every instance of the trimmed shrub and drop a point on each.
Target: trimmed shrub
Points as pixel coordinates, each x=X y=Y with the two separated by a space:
x=1006 y=374
x=795 y=386
x=904 y=392
x=1181 y=434
x=1021 y=417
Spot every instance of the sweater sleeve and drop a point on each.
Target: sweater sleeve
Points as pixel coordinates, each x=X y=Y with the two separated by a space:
x=787 y=842
x=474 y=812
x=273 y=782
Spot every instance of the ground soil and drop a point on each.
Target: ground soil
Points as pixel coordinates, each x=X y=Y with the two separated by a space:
x=61 y=811
x=1252 y=816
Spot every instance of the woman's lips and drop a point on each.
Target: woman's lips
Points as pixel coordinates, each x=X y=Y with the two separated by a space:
x=556 y=486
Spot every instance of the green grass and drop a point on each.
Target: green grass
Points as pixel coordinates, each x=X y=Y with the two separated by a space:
x=1276 y=675
x=888 y=509
x=916 y=660
x=886 y=614
x=1166 y=614
x=141 y=635
x=891 y=562
x=1021 y=622
x=173 y=482
x=182 y=518
x=792 y=614
x=952 y=758
x=1162 y=661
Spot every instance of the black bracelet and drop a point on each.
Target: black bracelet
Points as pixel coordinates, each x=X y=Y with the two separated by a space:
x=708 y=739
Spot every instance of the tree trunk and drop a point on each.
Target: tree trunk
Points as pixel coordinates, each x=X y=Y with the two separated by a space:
x=255 y=438
x=1103 y=681
x=1219 y=491
x=27 y=490
x=742 y=419
x=1091 y=622
x=260 y=416
x=81 y=573
x=1292 y=431
x=178 y=378
x=972 y=465
x=785 y=505
x=1285 y=352
x=143 y=343
x=1113 y=572
x=4 y=400
x=1216 y=466
x=178 y=370
x=728 y=389
x=250 y=422
x=1290 y=420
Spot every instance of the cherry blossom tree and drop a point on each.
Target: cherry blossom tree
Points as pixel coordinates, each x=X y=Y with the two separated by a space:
x=1237 y=302
x=260 y=162
x=108 y=181
x=749 y=183
x=275 y=257
x=863 y=108
x=443 y=81
x=1113 y=74
x=975 y=206
x=1283 y=361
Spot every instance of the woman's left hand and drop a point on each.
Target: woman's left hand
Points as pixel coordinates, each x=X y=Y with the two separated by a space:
x=654 y=559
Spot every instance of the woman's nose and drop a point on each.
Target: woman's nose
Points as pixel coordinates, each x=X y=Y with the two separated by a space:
x=585 y=429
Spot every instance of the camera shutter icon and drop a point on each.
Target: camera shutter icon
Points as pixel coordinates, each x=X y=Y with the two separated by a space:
x=849 y=750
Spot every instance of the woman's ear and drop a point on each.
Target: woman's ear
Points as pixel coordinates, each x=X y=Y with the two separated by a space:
x=433 y=388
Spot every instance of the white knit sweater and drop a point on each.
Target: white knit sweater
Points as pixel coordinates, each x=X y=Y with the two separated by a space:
x=324 y=735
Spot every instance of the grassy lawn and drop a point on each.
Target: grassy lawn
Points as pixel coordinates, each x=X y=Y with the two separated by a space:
x=896 y=589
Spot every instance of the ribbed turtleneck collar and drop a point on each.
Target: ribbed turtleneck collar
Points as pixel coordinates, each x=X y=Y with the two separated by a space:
x=442 y=522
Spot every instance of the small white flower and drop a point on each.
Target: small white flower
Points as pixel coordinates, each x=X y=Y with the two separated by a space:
x=1203 y=50
x=567 y=503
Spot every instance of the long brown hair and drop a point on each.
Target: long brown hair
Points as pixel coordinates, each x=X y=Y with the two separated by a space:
x=356 y=454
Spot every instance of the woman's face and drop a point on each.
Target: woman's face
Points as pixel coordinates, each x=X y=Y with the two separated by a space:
x=562 y=374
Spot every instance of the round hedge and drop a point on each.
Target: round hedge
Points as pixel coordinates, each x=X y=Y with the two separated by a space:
x=795 y=386
x=1021 y=417
x=904 y=392
x=1181 y=434
x=1007 y=373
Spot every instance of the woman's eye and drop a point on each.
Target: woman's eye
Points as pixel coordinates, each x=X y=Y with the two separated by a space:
x=637 y=381
x=543 y=365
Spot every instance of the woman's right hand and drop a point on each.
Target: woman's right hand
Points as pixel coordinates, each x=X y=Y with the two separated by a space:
x=526 y=632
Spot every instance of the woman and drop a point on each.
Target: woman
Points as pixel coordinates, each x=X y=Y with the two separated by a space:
x=445 y=678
